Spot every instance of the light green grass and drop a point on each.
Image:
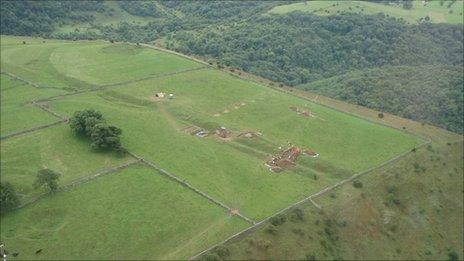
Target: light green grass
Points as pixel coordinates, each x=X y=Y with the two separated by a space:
x=55 y=148
x=230 y=171
x=83 y=64
x=16 y=111
x=433 y=9
x=226 y=170
x=133 y=214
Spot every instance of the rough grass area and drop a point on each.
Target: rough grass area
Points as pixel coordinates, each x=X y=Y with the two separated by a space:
x=55 y=148
x=411 y=210
x=82 y=65
x=133 y=214
x=438 y=13
x=16 y=111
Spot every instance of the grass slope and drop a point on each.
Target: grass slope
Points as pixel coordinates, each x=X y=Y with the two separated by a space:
x=82 y=65
x=402 y=212
x=134 y=214
x=438 y=13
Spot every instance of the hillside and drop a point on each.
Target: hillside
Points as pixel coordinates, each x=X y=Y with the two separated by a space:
x=231 y=130
x=419 y=11
x=397 y=213
x=291 y=43
x=204 y=186
x=429 y=94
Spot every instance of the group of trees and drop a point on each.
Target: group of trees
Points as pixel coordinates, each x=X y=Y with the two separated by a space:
x=9 y=199
x=90 y=123
x=300 y=47
x=42 y=17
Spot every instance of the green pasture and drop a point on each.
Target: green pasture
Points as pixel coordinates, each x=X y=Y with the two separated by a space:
x=238 y=179
x=133 y=214
x=82 y=65
x=438 y=13
x=55 y=148
x=135 y=211
x=17 y=112
x=234 y=171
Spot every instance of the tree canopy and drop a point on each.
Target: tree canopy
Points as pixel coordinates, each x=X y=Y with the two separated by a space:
x=8 y=198
x=47 y=178
x=91 y=123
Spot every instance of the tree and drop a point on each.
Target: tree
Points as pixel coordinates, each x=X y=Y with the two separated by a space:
x=48 y=178
x=105 y=137
x=82 y=122
x=8 y=197
x=407 y=4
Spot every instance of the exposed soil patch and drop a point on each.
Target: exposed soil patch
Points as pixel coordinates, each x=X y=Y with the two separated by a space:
x=195 y=130
x=249 y=134
x=285 y=159
x=156 y=98
x=228 y=108
x=299 y=111
x=224 y=133
x=311 y=153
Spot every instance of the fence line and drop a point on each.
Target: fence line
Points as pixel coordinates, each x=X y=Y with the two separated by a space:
x=118 y=84
x=16 y=77
x=80 y=181
x=31 y=130
x=48 y=110
x=309 y=198
x=184 y=183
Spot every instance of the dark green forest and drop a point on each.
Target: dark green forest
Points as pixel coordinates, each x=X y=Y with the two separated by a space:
x=414 y=71
x=430 y=94
x=300 y=47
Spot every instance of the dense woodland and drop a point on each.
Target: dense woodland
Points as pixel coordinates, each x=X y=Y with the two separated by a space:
x=429 y=94
x=297 y=49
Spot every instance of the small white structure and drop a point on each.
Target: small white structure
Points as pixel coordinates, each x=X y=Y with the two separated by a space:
x=171 y=96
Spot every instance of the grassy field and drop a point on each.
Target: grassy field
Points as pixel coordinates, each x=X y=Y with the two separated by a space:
x=438 y=13
x=133 y=214
x=17 y=113
x=231 y=170
x=82 y=65
x=55 y=148
x=154 y=131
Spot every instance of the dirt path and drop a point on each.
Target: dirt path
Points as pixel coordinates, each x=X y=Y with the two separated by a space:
x=169 y=118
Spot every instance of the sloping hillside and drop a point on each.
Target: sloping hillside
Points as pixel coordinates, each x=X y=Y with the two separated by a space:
x=429 y=94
